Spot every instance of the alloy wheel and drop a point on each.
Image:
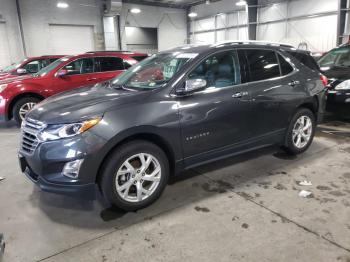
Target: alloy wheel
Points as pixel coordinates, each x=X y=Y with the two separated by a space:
x=25 y=108
x=138 y=177
x=302 y=131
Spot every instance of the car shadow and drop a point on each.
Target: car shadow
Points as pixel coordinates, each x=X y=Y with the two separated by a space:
x=188 y=187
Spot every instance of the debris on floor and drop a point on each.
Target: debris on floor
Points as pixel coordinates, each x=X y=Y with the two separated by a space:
x=306 y=194
x=305 y=183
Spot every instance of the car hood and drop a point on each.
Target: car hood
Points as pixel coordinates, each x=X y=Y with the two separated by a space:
x=339 y=73
x=11 y=78
x=83 y=103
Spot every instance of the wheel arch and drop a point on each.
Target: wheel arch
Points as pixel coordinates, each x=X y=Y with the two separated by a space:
x=144 y=136
x=17 y=98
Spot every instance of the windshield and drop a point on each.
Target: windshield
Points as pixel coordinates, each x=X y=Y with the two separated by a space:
x=153 y=72
x=51 y=66
x=12 y=67
x=337 y=57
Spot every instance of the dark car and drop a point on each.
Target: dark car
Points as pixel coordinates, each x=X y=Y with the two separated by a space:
x=128 y=135
x=335 y=64
x=30 y=65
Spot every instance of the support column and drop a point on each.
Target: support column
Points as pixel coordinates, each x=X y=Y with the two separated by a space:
x=252 y=11
x=342 y=11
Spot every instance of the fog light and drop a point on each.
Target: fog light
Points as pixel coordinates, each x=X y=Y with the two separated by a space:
x=71 y=169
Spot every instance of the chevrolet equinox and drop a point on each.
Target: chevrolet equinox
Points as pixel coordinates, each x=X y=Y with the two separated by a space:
x=173 y=111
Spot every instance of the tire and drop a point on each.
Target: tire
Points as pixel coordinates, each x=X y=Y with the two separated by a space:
x=20 y=104
x=291 y=143
x=115 y=174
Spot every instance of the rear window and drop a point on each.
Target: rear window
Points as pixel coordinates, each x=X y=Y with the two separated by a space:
x=262 y=64
x=305 y=59
x=140 y=57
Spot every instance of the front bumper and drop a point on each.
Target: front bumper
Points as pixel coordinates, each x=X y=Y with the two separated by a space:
x=45 y=165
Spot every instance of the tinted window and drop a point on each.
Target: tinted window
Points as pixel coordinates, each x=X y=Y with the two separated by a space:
x=110 y=64
x=80 y=66
x=262 y=64
x=219 y=70
x=305 y=59
x=140 y=57
x=286 y=68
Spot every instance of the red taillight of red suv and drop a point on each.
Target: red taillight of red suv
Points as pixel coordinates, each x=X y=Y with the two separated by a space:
x=324 y=80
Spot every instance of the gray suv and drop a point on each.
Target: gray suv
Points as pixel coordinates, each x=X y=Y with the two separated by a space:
x=173 y=111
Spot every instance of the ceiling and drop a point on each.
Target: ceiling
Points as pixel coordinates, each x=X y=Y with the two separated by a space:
x=169 y=3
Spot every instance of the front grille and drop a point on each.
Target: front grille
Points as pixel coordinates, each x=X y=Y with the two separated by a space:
x=30 y=131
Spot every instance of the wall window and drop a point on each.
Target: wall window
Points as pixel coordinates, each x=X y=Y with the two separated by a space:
x=219 y=70
x=80 y=66
x=262 y=64
x=110 y=64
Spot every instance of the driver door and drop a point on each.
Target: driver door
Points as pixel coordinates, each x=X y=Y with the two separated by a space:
x=217 y=119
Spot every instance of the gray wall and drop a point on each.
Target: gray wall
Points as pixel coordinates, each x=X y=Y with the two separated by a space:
x=8 y=12
x=38 y=14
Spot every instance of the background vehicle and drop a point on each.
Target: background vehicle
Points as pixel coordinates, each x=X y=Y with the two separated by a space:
x=29 y=65
x=336 y=66
x=210 y=102
x=18 y=96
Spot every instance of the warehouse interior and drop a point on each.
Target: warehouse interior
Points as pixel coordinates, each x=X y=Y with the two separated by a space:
x=258 y=205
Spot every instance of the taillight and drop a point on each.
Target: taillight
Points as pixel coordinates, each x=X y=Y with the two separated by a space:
x=324 y=80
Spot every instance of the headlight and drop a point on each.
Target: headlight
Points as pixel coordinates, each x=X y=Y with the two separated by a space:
x=2 y=87
x=345 y=85
x=54 y=132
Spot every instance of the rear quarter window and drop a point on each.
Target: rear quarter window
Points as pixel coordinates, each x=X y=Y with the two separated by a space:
x=140 y=58
x=306 y=59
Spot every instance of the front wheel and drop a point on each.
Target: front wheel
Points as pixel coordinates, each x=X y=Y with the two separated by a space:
x=135 y=175
x=22 y=107
x=301 y=132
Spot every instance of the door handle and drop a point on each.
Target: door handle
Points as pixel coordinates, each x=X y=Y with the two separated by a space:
x=294 y=83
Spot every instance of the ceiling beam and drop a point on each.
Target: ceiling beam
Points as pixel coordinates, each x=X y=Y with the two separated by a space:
x=158 y=4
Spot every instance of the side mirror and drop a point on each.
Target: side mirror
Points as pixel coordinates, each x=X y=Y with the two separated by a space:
x=191 y=86
x=21 y=71
x=62 y=73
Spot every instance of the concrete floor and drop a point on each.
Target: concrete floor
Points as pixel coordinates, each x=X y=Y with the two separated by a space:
x=244 y=208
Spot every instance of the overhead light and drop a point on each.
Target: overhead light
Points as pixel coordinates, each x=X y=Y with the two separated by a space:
x=241 y=3
x=192 y=14
x=207 y=2
x=62 y=5
x=135 y=10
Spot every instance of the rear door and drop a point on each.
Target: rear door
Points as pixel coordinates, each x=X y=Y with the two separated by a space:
x=80 y=73
x=272 y=90
x=109 y=67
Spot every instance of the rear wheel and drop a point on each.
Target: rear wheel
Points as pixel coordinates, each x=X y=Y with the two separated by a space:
x=22 y=107
x=300 y=132
x=135 y=175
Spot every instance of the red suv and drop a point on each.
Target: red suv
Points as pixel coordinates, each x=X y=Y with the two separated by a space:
x=20 y=95
x=29 y=65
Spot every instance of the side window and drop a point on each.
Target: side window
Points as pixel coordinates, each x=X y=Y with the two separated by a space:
x=127 y=65
x=286 y=68
x=305 y=59
x=262 y=64
x=219 y=70
x=33 y=66
x=80 y=66
x=110 y=64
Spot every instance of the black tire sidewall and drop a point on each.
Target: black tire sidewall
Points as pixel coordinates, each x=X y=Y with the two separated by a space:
x=289 y=145
x=116 y=159
x=19 y=104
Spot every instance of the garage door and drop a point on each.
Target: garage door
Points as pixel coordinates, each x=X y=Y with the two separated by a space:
x=5 y=58
x=71 y=39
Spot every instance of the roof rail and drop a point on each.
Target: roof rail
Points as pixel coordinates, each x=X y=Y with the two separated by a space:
x=109 y=51
x=252 y=42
